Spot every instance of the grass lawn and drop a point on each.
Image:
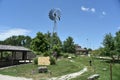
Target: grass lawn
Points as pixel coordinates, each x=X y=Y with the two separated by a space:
x=65 y=66
x=103 y=68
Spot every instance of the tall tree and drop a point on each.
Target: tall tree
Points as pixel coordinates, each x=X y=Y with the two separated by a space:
x=68 y=45
x=40 y=43
x=108 y=44
x=56 y=40
x=117 y=43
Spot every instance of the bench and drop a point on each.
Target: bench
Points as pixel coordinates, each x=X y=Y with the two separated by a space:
x=93 y=77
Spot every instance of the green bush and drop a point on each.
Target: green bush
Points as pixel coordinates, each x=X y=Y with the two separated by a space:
x=52 y=61
x=65 y=55
x=35 y=60
x=38 y=53
x=57 y=48
x=47 y=53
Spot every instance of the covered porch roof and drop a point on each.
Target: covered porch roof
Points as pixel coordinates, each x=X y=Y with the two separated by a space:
x=13 y=48
x=17 y=53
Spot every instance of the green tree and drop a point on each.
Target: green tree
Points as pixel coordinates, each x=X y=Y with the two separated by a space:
x=117 y=43
x=20 y=40
x=56 y=44
x=48 y=38
x=56 y=40
x=40 y=43
x=11 y=41
x=109 y=46
x=1 y=42
x=68 y=45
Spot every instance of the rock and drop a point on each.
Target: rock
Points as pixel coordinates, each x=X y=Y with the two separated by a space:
x=93 y=77
x=42 y=69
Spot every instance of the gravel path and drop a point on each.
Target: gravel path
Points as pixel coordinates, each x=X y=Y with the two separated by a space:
x=69 y=76
x=6 y=77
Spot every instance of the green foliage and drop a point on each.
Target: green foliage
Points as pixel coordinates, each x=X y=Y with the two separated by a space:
x=35 y=60
x=6 y=55
x=46 y=53
x=65 y=66
x=117 y=43
x=56 y=40
x=40 y=43
x=20 y=40
x=99 y=52
x=68 y=45
x=57 y=48
x=37 y=53
x=108 y=43
x=111 y=45
x=52 y=60
x=65 y=55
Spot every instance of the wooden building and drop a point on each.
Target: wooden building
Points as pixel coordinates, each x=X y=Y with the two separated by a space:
x=81 y=51
x=11 y=55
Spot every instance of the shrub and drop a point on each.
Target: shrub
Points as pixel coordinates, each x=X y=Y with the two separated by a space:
x=46 y=53
x=52 y=61
x=57 y=48
x=38 y=53
x=65 y=55
x=35 y=60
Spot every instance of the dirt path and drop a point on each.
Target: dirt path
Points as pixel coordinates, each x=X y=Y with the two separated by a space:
x=6 y=77
x=69 y=76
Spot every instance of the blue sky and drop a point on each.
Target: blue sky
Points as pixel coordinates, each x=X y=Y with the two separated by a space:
x=87 y=21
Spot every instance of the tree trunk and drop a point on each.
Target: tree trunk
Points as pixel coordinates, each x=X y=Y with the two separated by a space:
x=113 y=59
x=118 y=58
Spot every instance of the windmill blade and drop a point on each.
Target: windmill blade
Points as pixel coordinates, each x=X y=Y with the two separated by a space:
x=55 y=14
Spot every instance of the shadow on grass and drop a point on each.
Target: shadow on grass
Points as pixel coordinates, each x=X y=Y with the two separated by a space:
x=109 y=60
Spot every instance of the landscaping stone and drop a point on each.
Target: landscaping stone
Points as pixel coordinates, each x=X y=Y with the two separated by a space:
x=93 y=77
x=42 y=69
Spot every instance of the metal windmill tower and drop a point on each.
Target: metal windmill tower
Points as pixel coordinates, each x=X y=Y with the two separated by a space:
x=55 y=15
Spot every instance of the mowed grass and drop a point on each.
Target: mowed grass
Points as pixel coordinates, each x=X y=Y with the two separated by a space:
x=66 y=66
x=102 y=68
x=62 y=67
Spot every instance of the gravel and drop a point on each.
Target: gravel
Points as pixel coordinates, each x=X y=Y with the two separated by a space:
x=6 y=77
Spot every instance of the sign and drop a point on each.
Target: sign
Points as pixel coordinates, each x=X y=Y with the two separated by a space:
x=43 y=60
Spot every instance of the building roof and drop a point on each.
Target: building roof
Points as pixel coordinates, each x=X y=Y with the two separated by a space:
x=13 y=48
x=80 y=49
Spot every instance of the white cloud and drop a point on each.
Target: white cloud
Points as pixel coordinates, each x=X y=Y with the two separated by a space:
x=17 y=31
x=104 y=13
x=87 y=9
x=84 y=8
x=93 y=10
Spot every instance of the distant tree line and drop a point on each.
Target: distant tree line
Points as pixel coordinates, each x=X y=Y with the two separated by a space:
x=42 y=43
x=20 y=40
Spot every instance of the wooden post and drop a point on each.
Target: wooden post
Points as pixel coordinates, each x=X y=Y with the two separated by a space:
x=110 y=71
x=15 y=55
x=24 y=56
x=1 y=55
x=12 y=58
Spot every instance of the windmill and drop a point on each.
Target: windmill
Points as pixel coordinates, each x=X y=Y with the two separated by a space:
x=55 y=15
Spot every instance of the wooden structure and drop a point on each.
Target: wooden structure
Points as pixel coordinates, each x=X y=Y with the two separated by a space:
x=80 y=50
x=11 y=55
